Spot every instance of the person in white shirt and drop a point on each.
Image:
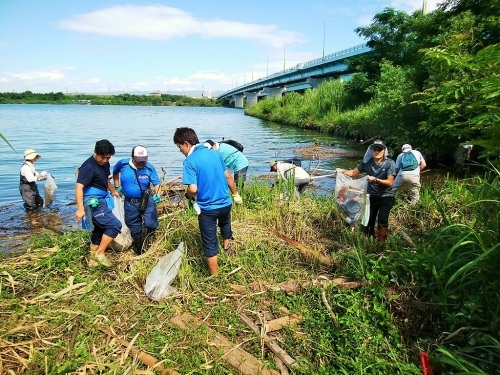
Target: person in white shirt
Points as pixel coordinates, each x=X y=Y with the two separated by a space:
x=27 y=181
x=287 y=171
x=408 y=176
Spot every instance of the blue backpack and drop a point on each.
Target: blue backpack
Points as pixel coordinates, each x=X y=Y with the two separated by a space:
x=409 y=162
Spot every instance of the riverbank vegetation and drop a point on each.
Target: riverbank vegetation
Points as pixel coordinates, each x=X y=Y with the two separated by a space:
x=359 y=307
x=29 y=97
x=432 y=80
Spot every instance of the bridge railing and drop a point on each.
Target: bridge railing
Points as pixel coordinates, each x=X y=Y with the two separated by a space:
x=336 y=54
x=302 y=65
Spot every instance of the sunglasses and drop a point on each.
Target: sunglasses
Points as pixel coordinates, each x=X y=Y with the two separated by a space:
x=377 y=149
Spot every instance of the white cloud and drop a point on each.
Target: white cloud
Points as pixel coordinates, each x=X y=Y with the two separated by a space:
x=164 y=23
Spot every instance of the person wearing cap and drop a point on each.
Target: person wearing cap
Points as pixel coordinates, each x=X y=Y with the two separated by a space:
x=381 y=172
x=287 y=171
x=27 y=184
x=406 y=178
x=133 y=178
x=92 y=185
x=234 y=159
x=208 y=181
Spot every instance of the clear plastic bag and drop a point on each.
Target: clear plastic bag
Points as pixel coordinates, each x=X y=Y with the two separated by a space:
x=163 y=273
x=124 y=240
x=350 y=196
x=50 y=190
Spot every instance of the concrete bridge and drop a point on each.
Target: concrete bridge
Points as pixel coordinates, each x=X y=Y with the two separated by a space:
x=298 y=78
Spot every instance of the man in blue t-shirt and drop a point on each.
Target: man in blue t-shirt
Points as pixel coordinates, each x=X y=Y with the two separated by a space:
x=91 y=190
x=133 y=178
x=207 y=180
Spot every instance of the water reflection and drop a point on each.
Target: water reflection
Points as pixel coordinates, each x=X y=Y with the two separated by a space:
x=65 y=135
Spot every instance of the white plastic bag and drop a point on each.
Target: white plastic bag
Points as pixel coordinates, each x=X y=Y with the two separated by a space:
x=158 y=281
x=50 y=190
x=124 y=240
x=366 y=212
x=350 y=196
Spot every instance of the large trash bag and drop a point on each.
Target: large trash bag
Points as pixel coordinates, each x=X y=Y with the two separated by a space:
x=158 y=281
x=350 y=196
x=124 y=240
x=50 y=190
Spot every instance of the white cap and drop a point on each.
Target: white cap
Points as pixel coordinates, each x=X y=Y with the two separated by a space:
x=140 y=153
x=406 y=147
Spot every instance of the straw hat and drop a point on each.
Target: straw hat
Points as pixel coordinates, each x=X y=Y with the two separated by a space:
x=31 y=154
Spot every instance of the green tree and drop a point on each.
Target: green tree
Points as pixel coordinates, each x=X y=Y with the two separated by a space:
x=463 y=92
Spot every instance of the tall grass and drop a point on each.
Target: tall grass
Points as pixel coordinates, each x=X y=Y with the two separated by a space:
x=435 y=288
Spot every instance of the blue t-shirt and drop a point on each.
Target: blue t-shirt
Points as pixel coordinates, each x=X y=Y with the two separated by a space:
x=206 y=169
x=128 y=180
x=93 y=174
x=235 y=160
x=381 y=171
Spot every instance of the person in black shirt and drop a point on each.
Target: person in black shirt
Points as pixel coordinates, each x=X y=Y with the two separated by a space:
x=91 y=190
x=381 y=172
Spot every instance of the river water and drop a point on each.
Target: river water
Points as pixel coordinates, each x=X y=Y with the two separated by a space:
x=65 y=136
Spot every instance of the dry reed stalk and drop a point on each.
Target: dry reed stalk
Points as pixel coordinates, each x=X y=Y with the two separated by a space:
x=138 y=354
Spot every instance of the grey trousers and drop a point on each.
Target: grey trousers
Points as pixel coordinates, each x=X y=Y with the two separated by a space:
x=408 y=182
x=31 y=196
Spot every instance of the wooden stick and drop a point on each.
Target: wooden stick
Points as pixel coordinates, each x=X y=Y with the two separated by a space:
x=271 y=344
x=304 y=250
x=280 y=366
x=144 y=357
x=327 y=305
x=237 y=358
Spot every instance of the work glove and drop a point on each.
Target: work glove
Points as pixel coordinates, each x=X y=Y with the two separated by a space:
x=237 y=198
x=119 y=189
x=157 y=198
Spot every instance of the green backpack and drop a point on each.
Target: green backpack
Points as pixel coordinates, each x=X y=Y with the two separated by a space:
x=409 y=162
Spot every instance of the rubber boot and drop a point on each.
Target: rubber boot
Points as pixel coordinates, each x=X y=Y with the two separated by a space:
x=382 y=233
x=137 y=246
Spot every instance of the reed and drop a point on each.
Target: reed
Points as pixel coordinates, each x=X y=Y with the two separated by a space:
x=433 y=288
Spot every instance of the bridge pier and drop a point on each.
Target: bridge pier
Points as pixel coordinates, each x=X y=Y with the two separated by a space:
x=251 y=98
x=314 y=82
x=275 y=92
x=238 y=100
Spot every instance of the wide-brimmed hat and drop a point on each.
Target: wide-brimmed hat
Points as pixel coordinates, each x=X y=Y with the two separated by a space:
x=406 y=147
x=31 y=154
x=140 y=154
x=271 y=165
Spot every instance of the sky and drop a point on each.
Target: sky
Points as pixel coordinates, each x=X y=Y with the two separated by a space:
x=106 y=46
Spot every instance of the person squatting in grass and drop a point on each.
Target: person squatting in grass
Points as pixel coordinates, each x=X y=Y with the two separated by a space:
x=133 y=177
x=208 y=181
x=27 y=183
x=408 y=178
x=381 y=172
x=234 y=159
x=287 y=171
x=91 y=190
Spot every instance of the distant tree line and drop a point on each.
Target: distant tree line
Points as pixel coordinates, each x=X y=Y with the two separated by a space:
x=29 y=97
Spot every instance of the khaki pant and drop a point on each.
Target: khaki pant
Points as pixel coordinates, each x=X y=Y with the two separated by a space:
x=408 y=182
